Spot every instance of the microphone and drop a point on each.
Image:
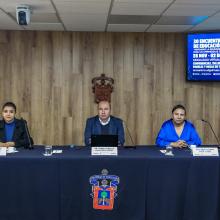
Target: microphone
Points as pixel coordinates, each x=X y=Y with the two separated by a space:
x=28 y=134
x=216 y=138
x=129 y=134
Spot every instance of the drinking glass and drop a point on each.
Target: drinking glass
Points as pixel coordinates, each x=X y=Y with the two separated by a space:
x=48 y=150
x=169 y=150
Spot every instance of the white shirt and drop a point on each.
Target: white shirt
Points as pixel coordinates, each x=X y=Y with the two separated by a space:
x=104 y=123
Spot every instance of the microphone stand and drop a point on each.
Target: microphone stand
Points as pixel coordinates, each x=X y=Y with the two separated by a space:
x=216 y=138
x=28 y=134
x=129 y=134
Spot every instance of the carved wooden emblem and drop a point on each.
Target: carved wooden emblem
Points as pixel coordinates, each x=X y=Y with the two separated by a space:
x=102 y=87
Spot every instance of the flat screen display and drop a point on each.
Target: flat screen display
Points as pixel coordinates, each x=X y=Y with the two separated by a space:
x=203 y=57
x=108 y=140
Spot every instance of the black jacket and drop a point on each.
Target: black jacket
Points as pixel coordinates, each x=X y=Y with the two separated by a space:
x=21 y=136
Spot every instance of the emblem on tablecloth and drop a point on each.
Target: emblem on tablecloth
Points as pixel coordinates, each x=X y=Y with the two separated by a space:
x=104 y=190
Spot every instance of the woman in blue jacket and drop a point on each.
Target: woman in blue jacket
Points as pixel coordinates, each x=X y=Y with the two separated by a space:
x=178 y=132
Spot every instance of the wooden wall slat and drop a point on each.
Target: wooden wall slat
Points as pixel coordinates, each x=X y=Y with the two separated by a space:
x=48 y=75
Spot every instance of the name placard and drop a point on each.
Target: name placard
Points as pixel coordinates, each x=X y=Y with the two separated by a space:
x=57 y=151
x=3 y=151
x=104 y=151
x=205 y=151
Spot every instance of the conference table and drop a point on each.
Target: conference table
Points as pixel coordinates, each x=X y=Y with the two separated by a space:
x=152 y=186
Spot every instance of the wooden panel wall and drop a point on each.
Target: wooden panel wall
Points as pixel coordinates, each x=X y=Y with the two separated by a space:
x=48 y=75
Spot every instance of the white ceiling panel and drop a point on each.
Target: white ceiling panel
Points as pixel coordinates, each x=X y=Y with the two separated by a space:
x=192 y=10
x=97 y=7
x=138 y=8
x=213 y=20
x=84 y=22
x=206 y=2
x=132 y=19
x=127 y=27
x=88 y=1
x=180 y=20
x=45 y=27
x=169 y=28
x=145 y=1
x=210 y=24
x=213 y=27
x=38 y=6
x=7 y=23
x=91 y=15
x=42 y=17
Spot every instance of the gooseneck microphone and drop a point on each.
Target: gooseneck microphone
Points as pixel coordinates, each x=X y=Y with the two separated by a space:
x=129 y=134
x=216 y=138
x=28 y=134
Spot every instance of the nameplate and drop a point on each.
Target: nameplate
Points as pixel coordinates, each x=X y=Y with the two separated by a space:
x=104 y=151
x=57 y=151
x=205 y=151
x=3 y=151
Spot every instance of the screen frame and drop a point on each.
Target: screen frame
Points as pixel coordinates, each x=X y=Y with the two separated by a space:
x=186 y=56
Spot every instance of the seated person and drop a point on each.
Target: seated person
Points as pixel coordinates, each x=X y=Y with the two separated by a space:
x=178 y=132
x=13 y=132
x=104 y=123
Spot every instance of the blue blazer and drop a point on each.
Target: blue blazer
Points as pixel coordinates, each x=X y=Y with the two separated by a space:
x=167 y=134
x=93 y=126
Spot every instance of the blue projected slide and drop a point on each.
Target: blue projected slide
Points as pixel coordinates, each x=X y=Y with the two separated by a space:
x=203 y=57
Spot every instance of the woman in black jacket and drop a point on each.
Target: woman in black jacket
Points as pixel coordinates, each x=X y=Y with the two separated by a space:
x=13 y=131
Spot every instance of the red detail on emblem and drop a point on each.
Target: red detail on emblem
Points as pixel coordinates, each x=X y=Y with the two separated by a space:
x=103 y=198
